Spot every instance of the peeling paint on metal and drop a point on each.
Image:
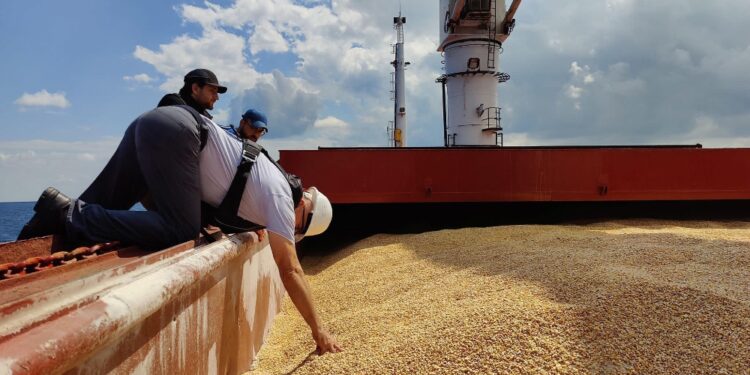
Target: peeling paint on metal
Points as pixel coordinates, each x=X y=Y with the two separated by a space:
x=147 y=316
x=144 y=368
x=212 y=366
x=5 y=366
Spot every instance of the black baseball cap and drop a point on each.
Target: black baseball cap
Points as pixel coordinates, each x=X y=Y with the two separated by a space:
x=206 y=76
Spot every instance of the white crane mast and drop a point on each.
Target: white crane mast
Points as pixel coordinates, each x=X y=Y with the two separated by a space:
x=471 y=37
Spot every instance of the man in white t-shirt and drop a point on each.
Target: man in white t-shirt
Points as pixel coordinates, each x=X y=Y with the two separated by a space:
x=267 y=201
x=161 y=155
x=267 y=198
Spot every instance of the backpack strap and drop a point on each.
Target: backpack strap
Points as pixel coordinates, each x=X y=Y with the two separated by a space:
x=226 y=216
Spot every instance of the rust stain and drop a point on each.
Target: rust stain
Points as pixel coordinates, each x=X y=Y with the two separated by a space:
x=181 y=310
x=14 y=251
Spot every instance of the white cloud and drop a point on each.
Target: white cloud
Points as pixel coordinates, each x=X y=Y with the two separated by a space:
x=704 y=127
x=217 y=50
x=632 y=73
x=140 y=78
x=43 y=99
x=290 y=106
x=267 y=38
x=575 y=69
x=342 y=50
x=518 y=139
x=581 y=73
x=221 y=116
x=35 y=164
x=615 y=4
x=574 y=92
x=330 y=122
x=86 y=156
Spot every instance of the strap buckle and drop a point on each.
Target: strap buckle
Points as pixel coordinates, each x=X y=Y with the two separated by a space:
x=249 y=156
x=250 y=150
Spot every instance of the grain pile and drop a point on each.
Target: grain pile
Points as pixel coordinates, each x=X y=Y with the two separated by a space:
x=611 y=298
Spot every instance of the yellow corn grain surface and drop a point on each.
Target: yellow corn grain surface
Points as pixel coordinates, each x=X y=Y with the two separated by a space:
x=621 y=297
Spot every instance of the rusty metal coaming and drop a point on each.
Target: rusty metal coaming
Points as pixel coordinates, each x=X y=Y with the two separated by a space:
x=149 y=314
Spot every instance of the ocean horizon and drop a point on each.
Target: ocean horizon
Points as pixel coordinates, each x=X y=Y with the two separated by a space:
x=13 y=216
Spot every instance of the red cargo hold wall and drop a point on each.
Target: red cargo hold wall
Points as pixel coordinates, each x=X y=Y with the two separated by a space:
x=525 y=174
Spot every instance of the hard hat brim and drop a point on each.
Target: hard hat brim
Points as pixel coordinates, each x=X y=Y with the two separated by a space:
x=322 y=213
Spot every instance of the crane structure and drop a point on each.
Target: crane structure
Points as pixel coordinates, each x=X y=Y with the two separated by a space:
x=472 y=33
x=470 y=167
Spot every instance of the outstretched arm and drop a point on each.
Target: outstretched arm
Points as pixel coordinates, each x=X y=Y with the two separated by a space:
x=293 y=277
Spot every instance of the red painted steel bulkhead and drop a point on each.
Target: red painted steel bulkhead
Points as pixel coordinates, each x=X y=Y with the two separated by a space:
x=525 y=174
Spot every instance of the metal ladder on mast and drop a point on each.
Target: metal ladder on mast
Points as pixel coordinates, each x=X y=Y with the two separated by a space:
x=492 y=34
x=493 y=124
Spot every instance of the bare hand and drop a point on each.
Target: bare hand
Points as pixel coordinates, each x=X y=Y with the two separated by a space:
x=326 y=343
x=261 y=233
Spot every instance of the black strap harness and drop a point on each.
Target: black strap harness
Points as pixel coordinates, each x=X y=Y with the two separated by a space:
x=226 y=216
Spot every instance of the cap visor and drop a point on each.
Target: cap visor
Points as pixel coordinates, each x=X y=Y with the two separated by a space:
x=221 y=90
x=260 y=124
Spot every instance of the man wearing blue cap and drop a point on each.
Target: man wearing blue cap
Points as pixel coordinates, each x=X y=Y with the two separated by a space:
x=253 y=125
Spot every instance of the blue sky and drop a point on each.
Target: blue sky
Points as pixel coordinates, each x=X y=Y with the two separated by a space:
x=585 y=72
x=81 y=48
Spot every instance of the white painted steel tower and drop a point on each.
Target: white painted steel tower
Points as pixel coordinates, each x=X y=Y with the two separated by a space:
x=398 y=133
x=471 y=37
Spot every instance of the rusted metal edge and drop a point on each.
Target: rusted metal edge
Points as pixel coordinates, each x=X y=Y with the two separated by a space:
x=41 y=263
x=55 y=345
x=21 y=258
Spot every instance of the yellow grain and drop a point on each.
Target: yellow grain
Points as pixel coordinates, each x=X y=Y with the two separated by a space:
x=611 y=298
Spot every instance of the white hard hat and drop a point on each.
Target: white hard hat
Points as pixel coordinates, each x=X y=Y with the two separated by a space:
x=322 y=212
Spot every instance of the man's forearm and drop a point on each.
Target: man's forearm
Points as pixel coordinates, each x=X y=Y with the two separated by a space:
x=299 y=292
x=293 y=277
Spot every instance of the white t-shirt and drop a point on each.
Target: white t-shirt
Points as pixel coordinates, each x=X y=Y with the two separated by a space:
x=267 y=199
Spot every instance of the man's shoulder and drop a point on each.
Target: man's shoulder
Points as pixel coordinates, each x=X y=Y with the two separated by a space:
x=171 y=99
x=231 y=130
x=269 y=165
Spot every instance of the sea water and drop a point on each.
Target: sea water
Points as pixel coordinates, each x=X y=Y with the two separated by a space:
x=13 y=215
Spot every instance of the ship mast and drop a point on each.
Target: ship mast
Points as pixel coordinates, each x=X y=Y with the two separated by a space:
x=398 y=133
